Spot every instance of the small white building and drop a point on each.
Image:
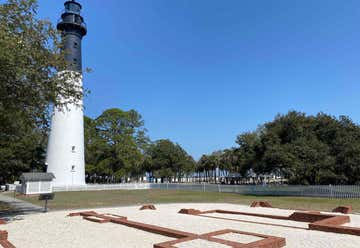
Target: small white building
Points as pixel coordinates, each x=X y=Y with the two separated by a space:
x=35 y=183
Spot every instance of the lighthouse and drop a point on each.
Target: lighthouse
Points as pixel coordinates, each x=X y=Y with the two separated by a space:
x=65 y=149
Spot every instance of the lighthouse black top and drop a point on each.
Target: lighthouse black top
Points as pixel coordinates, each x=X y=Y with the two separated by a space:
x=74 y=28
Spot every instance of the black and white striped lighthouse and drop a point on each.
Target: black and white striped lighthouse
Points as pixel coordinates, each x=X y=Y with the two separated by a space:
x=65 y=151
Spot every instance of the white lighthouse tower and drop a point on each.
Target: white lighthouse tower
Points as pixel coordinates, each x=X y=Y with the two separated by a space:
x=65 y=150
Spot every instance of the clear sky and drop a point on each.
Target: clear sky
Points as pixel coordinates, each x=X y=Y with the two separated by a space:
x=203 y=71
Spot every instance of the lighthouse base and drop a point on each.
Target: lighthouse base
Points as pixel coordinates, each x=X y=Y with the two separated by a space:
x=65 y=152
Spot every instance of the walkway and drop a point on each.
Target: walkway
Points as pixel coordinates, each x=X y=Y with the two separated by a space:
x=18 y=207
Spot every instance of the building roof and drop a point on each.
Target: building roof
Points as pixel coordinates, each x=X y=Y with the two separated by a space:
x=37 y=176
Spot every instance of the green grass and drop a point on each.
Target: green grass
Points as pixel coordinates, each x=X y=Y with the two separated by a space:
x=4 y=206
x=94 y=199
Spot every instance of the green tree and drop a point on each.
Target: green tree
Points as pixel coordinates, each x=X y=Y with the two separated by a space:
x=209 y=164
x=114 y=145
x=167 y=160
x=305 y=149
x=30 y=59
x=248 y=153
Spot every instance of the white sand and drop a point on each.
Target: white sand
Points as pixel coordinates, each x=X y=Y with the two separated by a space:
x=259 y=219
x=55 y=230
x=199 y=243
x=237 y=237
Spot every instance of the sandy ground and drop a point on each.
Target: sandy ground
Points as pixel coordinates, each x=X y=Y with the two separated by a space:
x=259 y=219
x=55 y=230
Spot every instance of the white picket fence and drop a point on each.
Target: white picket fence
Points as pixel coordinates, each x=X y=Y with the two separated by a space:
x=95 y=187
x=329 y=191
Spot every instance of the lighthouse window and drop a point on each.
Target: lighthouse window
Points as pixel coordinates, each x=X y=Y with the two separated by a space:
x=75 y=61
x=75 y=45
x=73 y=149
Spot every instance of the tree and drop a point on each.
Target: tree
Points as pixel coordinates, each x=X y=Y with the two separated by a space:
x=30 y=59
x=228 y=160
x=248 y=153
x=305 y=149
x=114 y=145
x=167 y=160
x=209 y=164
x=96 y=150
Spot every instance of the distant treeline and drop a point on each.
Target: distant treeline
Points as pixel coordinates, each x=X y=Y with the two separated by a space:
x=118 y=150
x=304 y=149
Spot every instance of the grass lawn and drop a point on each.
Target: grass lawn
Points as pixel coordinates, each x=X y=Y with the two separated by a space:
x=4 y=206
x=93 y=199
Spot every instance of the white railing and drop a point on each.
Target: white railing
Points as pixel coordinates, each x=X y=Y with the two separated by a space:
x=329 y=191
x=95 y=187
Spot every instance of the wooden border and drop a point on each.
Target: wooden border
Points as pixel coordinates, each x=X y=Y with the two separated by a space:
x=3 y=235
x=4 y=242
x=343 y=209
x=96 y=219
x=265 y=242
x=317 y=221
x=149 y=207
x=262 y=204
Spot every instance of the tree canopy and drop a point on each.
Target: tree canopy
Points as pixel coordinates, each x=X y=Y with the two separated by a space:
x=168 y=160
x=305 y=149
x=114 y=145
x=117 y=148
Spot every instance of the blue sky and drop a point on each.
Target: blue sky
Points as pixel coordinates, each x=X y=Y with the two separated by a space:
x=201 y=72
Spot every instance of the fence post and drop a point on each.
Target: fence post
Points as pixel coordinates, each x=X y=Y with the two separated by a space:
x=331 y=191
x=203 y=187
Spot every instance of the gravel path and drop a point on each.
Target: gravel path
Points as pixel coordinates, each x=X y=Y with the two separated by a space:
x=54 y=230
